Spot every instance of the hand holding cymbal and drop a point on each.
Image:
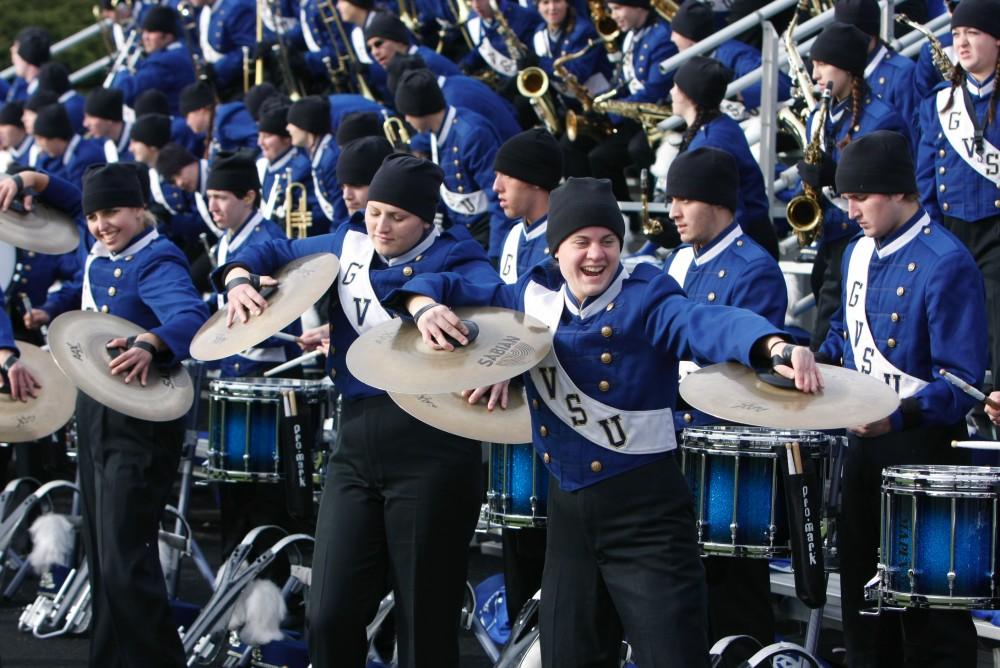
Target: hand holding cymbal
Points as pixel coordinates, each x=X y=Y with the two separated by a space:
x=41 y=412
x=245 y=301
x=31 y=225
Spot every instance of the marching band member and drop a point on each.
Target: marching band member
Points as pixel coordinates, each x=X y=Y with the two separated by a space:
x=889 y=75
x=528 y=167
x=40 y=98
x=958 y=166
x=28 y=52
x=899 y=319
x=104 y=120
x=718 y=265
x=360 y=14
x=54 y=76
x=565 y=32
x=309 y=126
x=224 y=28
x=839 y=56
x=281 y=163
x=695 y=21
x=387 y=37
x=647 y=44
x=13 y=137
x=464 y=145
x=489 y=48
x=464 y=93
x=177 y=166
x=699 y=87
x=620 y=519
x=167 y=64
x=127 y=465
x=61 y=151
x=400 y=497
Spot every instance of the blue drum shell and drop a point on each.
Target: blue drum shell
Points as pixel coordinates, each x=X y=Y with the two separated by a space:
x=517 y=476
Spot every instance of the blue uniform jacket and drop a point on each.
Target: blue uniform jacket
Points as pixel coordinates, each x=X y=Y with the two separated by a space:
x=435 y=62
x=79 y=154
x=150 y=287
x=74 y=103
x=621 y=348
x=742 y=59
x=724 y=133
x=259 y=232
x=274 y=183
x=22 y=154
x=522 y=21
x=731 y=270
x=453 y=250
x=469 y=93
x=949 y=185
x=231 y=27
x=18 y=90
x=649 y=47
x=875 y=115
x=181 y=133
x=925 y=307
x=926 y=76
x=890 y=78
x=342 y=104
x=168 y=70
x=326 y=187
x=466 y=150
x=593 y=64
x=317 y=39
x=529 y=248
x=233 y=129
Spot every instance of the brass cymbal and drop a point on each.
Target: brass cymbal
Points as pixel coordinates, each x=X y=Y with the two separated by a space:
x=733 y=392
x=79 y=345
x=36 y=418
x=393 y=357
x=454 y=414
x=43 y=230
x=301 y=283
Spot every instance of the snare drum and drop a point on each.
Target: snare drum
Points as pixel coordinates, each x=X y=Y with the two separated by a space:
x=518 y=486
x=739 y=498
x=939 y=537
x=244 y=431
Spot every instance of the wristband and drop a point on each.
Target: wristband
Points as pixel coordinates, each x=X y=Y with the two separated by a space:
x=784 y=358
x=423 y=309
x=253 y=280
x=20 y=184
x=11 y=361
x=132 y=342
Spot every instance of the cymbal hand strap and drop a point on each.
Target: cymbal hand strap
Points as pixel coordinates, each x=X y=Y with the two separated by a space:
x=253 y=281
x=132 y=342
x=5 y=370
x=423 y=309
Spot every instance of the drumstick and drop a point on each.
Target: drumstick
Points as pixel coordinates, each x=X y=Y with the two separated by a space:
x=298 y=361
x=285 y=404
x=291 y=338
x=791 y=458
x=798 y=456
x=968 y=389
x=976 y=445
x=25 y=301
x=293 y=402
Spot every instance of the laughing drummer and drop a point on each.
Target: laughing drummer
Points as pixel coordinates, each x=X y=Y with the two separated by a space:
x=621 y=554
x=401 y=498
x=912 y=302
x=719 y=265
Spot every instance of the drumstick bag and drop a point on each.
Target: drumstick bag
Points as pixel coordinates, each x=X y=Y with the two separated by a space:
x=297 y=441
x=803 y=501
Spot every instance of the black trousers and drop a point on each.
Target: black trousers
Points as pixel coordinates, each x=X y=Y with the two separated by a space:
x=127 y=469
x=739 y=598
x=827 y=280
x=915 y=637
x=610 y=157
x=400 y=504
x=622 y=559
x=523 y=563
x=982 y=238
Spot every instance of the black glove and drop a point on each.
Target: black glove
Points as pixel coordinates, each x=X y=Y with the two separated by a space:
x=820 y=174
x=359 y=70
x=262 y=50
x=297 y=62
x=529 y=59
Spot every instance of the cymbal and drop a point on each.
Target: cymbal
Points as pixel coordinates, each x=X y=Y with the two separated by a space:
x=454 y=414
x=43 y=230
x=301 y=283
x=733 y=392
x=22 y=421
x=393 y=357
x=78 y=340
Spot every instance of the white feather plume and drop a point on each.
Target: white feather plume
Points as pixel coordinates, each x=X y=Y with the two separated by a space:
x=52 y=542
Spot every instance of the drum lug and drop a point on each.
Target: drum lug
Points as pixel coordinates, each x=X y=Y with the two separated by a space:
x=951 y=582
x=534 y=506
x=733 y=527
x=701 y=527
x=912 y=575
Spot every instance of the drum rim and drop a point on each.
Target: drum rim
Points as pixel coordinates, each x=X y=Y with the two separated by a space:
x=265 y=388
x=756 y=438
x=917 y=478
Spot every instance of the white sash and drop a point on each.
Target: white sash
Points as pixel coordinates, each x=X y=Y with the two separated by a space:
x=156 y=189
x=628 y=67
x=359 y=44
x=867 y=357
x=508 y=258
x=540 y=40
x=679 y=265
x=34 y=152
x=957 y=127
x=202 y=206
x=502 y=64
x=227 y=244
x=71 y=149
x=204 y=25
x=628 y=432
x=466 y=204
x=87 y=302
x=307 y=34
x=324 y=203
x=110 y=151
x=879 y=57
x=354 y=287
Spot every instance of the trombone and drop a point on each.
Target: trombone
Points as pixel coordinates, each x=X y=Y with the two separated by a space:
x=330 y=17
x=127 y=57
x=298 y=219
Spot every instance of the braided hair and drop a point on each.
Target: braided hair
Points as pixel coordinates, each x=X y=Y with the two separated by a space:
x=702 y=117
x=859 y=88
x=958 y=79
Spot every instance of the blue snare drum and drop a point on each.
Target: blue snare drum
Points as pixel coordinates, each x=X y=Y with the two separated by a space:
x=244 y=425
x=739 y=498
x=518 y=486
x=939 y=537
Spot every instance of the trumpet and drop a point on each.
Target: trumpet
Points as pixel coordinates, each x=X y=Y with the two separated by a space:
x=533 y=83
x=938 y=56
x=298 y=219
x=396 y=132
x=804 y=213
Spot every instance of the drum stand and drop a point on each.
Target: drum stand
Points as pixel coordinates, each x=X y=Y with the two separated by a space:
x=188 y=454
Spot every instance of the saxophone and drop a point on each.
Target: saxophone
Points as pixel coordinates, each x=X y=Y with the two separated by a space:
x=665 y=8
x=804 y=212
x=577 y=124
x=803 y=83
x=647 y=114
x=938 y=56
x=606 y=27
x=532 y=82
